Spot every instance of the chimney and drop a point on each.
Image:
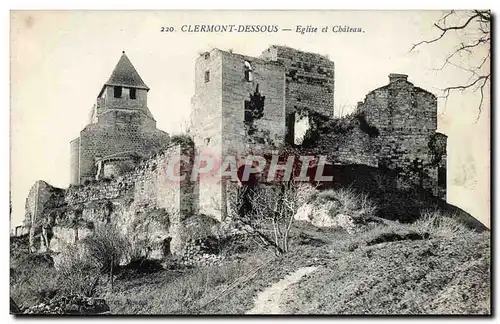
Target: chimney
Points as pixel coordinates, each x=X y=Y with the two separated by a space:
x=396 y=77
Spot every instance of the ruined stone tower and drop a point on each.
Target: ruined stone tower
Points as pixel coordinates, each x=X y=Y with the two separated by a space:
x=120 y=130
x=406 y=119
x=247 y=104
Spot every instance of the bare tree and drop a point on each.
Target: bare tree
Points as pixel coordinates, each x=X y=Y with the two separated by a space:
x=472 y=53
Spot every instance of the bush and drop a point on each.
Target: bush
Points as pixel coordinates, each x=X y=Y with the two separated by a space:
x=106 y=247
x=82 y=266
x=347 y=201
x=266 y=212
x=76 y=274
x=437 y=224
x=34 y=278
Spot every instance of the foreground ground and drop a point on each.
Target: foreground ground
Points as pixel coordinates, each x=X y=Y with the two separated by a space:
x=389 y=269
x=434 y=266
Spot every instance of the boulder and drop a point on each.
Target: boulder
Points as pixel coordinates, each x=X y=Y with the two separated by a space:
x=324 y=215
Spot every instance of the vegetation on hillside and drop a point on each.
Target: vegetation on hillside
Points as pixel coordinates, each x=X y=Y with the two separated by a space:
x=435 y=265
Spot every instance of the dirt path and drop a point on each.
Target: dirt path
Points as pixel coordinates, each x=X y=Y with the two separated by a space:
x=268 y=301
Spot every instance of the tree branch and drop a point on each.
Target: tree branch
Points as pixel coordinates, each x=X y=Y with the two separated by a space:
x=476 y=29
x=445 y=29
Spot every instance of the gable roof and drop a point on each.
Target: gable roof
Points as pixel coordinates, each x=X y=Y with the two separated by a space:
x=126 y=75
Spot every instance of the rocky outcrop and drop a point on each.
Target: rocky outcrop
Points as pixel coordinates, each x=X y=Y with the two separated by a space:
x=322 y=216
x=341 y=208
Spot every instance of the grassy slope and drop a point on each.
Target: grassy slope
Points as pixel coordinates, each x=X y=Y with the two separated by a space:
x=424 y=267
x=439 y=275
x=447 y=272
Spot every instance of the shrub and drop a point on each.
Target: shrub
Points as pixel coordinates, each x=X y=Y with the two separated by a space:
x=347 y=201
x=76 y=274
x=266 y=212
x=438 y=224
x=82 y=265
x=34 y=278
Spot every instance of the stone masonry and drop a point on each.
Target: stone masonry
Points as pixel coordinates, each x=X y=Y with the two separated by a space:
x=144 y=204
x=395 y=128
x=309 y=84
x=289 y=82
x=119 y=122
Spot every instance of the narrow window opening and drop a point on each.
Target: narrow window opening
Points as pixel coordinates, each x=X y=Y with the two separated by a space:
x=207 y=76
x=132 y=93
x=207 y=56
x=248 y=72
x=442 y=177
x=118 y=92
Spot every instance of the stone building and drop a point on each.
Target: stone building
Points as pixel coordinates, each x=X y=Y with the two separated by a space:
x=288 y=81
x=395 y=127
x=120 y=122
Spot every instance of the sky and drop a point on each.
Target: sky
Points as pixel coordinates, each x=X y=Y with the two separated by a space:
x=61 y=59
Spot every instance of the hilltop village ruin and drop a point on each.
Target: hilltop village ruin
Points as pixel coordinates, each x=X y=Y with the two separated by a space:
x=241 y=104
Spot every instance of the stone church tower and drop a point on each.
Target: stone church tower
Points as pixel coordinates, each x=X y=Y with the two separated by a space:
x=121 y=130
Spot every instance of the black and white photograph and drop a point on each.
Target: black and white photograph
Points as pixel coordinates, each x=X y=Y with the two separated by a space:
x=250 y=162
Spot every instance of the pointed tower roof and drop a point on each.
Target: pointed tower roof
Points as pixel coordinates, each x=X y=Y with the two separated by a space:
x=126 y=75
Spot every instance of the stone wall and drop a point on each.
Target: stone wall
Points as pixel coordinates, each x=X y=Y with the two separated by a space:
x=206 y=118
x=110 y=136
x=310 y=83
x=411 y=155
x=207 y=101
x=438 y=147
x=394 y=128
x=41 y=201
x=124 y=102
x=400 y=107
x=355 y=147
x=226 y=83
x=74 y=163
x=269 y=77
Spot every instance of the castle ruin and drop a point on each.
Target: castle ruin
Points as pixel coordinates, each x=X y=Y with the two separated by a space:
x=241 y=104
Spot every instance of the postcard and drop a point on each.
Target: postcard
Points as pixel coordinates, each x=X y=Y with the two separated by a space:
x=250 y=162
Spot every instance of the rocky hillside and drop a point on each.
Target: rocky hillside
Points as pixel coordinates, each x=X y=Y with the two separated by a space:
x=343 y=259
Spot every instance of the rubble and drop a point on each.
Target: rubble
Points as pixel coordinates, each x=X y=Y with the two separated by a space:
x=75 y=304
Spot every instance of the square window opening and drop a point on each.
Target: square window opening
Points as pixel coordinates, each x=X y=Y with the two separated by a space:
x=117 y=92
